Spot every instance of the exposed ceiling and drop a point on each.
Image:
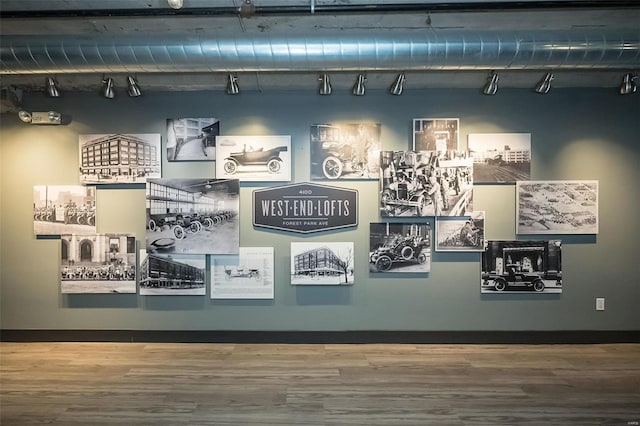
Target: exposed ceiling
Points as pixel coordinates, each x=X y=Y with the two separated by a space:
x=438 y=44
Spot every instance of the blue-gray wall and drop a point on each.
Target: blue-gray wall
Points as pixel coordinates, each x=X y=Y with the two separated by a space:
x=576 y=134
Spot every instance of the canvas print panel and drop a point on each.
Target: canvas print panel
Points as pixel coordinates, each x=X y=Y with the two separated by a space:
x=172 y=275
x=425 y=183
x=98 y=263
x=119 y=158
x=254 y=158
x=192 y=139
x=322 y=263
x=64 y=209
x=500 y=157
x=399 y=247
x=246 y=276
x=436 y=134
x=557 y=207
x=345 y=151
x=522 y=266
x=460 y=233
x=192 y=216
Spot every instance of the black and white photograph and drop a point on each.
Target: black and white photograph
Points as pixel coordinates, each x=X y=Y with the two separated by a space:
x=460 y=233
x=436 y=134
x=172 y=274
x=249 y=275
x=322 y=263
x=64 y=209
x=192 y=216
x=192 y=139
x=522 y=266
x=254 y=158
x=399 y=247
x=500 y=157
x=557 y=207
x=119 y=158
x=421 y=183
x=98 y=263
x=345 y=151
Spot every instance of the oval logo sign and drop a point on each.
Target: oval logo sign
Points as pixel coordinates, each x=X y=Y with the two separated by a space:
x=305 y=208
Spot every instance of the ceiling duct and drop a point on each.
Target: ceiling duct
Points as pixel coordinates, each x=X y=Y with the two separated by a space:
x=428 y=50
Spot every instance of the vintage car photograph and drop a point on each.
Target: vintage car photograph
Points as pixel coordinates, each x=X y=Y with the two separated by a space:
x=517 y=266
x=248 y=275
x=460 y=233
x=425 y=183
x=345 y=151
x=254 y=158
x=192 y=216
x=399 y=247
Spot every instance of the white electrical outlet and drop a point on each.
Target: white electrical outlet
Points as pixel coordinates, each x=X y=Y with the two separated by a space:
x=599 y=303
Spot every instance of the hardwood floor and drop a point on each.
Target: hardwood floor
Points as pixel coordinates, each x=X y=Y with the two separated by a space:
x=276 y=384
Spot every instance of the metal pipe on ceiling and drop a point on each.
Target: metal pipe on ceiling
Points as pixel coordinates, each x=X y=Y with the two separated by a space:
x=424 y=50
x=303 y=9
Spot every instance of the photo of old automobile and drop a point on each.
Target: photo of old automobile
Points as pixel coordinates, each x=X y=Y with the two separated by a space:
x=345 y=151
x=254 y=158
x=425 y=183
x=460 y=233
x=400 y=247
x=269 y=158
x=182 y=224
x=515 y=266
x=196 y=216
x=231 y=272
x=246 y=276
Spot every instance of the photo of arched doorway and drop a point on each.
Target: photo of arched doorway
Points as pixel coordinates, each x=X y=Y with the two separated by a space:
x=65 y=251
x=86 y=250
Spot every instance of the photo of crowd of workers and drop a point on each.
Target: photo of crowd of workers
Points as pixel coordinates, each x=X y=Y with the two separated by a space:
x=99 y=263
x=425 y=183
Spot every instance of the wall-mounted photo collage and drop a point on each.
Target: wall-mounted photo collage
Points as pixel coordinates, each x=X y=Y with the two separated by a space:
x=191 y=221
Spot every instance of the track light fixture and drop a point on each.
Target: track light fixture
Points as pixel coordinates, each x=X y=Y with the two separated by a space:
x=491 y=87
x=232 y=85
x=398 y=85
x=132 y=86
x=544 y=84
x=247 y=8
x=107 y=88
x=52 y=88
x=325 y=84
x=628 y=85
x=358 y=88
x=175 y=4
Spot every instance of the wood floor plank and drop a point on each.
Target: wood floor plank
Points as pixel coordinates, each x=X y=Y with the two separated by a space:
x=278 y=384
